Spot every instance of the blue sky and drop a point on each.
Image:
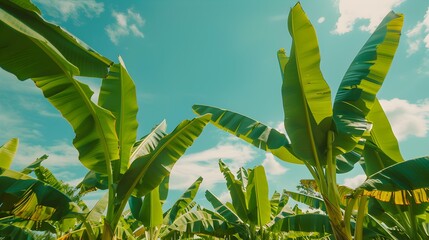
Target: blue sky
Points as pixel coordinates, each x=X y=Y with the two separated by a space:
x=220 y=53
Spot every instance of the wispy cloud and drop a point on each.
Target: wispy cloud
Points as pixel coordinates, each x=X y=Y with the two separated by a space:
x=321 y=20
x=205 y=164
x=60 y=155
x=407 y=119
x=353 y=10
x=354 y=182
x=66 y=9
x=272 y=167
x=126 y=23
x=418 y=35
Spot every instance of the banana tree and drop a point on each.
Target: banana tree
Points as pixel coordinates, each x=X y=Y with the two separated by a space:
x=327 y=138
x=255 y=215
x=105 y=131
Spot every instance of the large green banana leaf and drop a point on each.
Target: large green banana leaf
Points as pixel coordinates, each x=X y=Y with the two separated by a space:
x=259 y=208
x=151 y=211
x=96 y=139
x=182 y=204
x=381 y=133
x=148 y=171
x=227 y=213
x=235 y=188
x=29 y=52
x=400 y=183
x=306 y=95
x=363 y=79
x=144 y=146
x=118 y=95
x=7 y=152
x=28 y=198
x=251 y=131
x=32 y=47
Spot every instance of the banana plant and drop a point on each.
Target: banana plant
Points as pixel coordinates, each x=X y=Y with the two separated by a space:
x=150 y=221
x=105 y=131
x=255 y=215
x=327 y=138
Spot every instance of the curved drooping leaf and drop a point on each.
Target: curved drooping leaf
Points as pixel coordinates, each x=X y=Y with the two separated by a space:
x=118 y=95
x=400 y=183
x=251 y=131
x=32 y=47
x=183 y=202
x=28 y=198
x=306 y=223
x=7 y=152
x=225 y=211
x=96 y=138
x=306 y=95
x=308 y=200
x=381 y=133
x=147 y=172
x=236 y=192
x=259 y=208
x=149 y=142
x=363 y=79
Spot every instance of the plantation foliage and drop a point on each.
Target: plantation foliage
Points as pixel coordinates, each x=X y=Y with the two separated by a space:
x=329 y=138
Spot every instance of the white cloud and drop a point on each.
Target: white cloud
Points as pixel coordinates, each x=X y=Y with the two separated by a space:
x=126 y=23
x=418 y=35
x=353 y=10
x=321 y=20
x=354 y=182
x=205 y=164
x=407 y=119
x=66 y=9
x=272 y=167
x=60 y=155
x=225 y=197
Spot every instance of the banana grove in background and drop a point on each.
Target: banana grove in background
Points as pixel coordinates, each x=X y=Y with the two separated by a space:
x=328 y=138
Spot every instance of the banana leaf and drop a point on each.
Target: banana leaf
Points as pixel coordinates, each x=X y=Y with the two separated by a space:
x=149 y=142
x=306 y=95
x=7 y=152
x=306 y=224
x=357 y=92
x=251 y=131
x=401 y=183
x=235 y=189
x=226 y=212
x=11 y=232
x=182 y=204
x=27 y=198
x=259 y=208
x=32 y=47
x=311 y=201
x=148 y=171
x=118 y=95
x=30 y=168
